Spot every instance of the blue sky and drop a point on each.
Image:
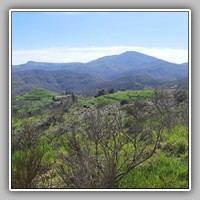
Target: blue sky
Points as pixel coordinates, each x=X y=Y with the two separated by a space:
x=84 y=36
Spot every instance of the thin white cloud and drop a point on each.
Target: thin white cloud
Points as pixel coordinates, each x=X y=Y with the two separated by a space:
x=86 y=54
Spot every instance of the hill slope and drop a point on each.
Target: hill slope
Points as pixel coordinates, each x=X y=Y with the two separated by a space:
x=56 y=81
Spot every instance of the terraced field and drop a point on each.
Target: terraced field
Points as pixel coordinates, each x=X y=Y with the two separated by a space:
x=117 y=97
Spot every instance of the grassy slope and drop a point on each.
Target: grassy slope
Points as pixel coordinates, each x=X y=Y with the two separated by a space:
x=168 y=168
x=27 y=104
x=33 y=100
x=38 y=94
x=117 y=97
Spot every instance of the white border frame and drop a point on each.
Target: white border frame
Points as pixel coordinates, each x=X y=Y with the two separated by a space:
x=98 y=10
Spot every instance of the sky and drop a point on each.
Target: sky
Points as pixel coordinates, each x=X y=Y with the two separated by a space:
x=84 y=36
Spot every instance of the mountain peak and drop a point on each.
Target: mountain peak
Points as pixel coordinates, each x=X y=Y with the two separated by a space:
x=31 y=62
x=137 y=55
x=127 y=58
x=131 y=52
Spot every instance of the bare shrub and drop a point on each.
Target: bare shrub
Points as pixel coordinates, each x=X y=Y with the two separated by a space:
x=105 y=144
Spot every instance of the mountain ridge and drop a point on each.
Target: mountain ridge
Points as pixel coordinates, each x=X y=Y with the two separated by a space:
x=103 y=57
x=118 y=71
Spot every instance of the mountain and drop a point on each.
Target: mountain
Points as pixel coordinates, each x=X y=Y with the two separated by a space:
x=135 y=64
x=45 y=66
x=115 y=66
x=129 y=70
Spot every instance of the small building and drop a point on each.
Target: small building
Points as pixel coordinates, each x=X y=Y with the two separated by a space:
x=63 y=97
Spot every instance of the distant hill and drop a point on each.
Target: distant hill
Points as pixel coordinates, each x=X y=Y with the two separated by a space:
x=129 y=70
x=45 y=66
x=57 y=81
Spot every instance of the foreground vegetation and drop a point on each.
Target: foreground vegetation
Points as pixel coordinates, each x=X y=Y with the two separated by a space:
x=130 y=139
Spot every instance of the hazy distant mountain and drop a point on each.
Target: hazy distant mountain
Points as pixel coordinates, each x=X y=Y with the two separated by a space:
x=112 y=67
x=136 y=64
x=125 y=71
x=45 y=66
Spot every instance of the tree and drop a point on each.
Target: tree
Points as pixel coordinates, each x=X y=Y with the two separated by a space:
x=100 y=93
x=104 y=145
x=73 y=97
x=111 y=91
